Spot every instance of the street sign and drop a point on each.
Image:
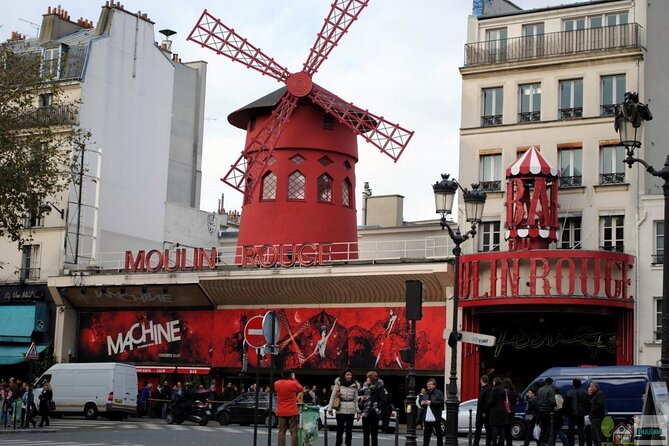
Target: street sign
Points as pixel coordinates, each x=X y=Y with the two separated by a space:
x=473 y=338
x=268 y=322
x=253 y=333
x=32 y=352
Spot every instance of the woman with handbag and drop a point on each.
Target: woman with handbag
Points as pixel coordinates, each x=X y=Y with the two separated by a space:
x=344 y=401
x=45 y=402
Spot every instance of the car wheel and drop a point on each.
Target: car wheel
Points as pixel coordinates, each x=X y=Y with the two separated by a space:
x=518 y=429
x=443 y=425
x=90 y=411
x=224 y=419
x=203 y=422
x=271 y=420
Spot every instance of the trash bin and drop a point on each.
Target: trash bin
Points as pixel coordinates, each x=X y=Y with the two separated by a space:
x=308 y=429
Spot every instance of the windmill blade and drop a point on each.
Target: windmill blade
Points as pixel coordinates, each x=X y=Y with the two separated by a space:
x=211 y=33
x=245 y=173
x=342 y=15
x=390 y=138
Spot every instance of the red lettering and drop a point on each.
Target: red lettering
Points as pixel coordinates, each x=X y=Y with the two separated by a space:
x=570 y=280
x=139 y=263
x=515 y=207
x=159 y=264
x=534 y=277
x=267 y=256
x=248 y=256
x=596 y=277
x=510 y=276
x=307 y=254
x=539 y=197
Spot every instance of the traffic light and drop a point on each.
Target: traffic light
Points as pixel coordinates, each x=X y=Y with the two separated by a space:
x=453 y=339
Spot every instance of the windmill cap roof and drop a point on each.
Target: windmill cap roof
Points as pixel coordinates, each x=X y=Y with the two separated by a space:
x=532 y=163
x=263 y=106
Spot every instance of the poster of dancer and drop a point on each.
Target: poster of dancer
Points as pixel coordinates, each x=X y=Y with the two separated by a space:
x=334 y=338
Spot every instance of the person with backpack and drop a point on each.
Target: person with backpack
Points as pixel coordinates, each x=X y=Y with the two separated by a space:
x=433 y=405
x=576 y=405
x=497 y=407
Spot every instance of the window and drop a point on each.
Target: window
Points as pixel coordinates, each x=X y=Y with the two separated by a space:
x=658 y=319
x=533 y=40
x=571 y=99
x=658 y=257
x=570 y=233
x=346 y=193
x=269 y=186
x=612 y=165
x=45 y=100
x=328 y=122
x=297 y=159
x=613 y=92
x=574 y=24
x=492 y=104
x=33 y=221
x=574 y=38
x=30 y=262
x=496 y=44
x=50 y=68
x=296 y=186
x=529 y=103
x=612 y=233
x=490 y=172
x=488 y=233
x=325 y=188
x=571 y=161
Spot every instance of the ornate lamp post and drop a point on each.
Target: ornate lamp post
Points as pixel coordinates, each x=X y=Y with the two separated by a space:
x=444 y=196
x=630 y=116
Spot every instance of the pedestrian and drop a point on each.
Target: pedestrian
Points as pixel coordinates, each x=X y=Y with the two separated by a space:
x=371 y=399
x=286 y=390
x=559 y=418
x=531 y=413
x=28 y=407
x=6 y=398
x=306 y=395
x=510 y=409
x=387 y=410
x=576 y=405
x=499 y=417
x=546 y=405
x=433 y=405
x=597 y=412
x=482 y=412
x=45 y=399
x=344 y=401
x=144 y=397
x=419 y=411
x=228 y=393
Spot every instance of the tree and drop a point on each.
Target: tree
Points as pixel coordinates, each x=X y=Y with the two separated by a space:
x=39 y=141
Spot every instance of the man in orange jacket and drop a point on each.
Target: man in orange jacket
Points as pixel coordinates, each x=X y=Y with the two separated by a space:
x=286 y=390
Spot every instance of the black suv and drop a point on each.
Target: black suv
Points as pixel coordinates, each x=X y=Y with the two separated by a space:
x=240 y=410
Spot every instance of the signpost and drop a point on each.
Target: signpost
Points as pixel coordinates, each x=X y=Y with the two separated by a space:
x=32 y=352
x=472 y=338
x=253 y=332
x=271 y=330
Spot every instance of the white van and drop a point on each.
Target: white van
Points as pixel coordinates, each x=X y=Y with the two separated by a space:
x=92 y=389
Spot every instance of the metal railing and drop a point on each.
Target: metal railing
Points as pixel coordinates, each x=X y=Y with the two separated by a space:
x=570 y=113
x=532 y=116
x=491 y=186
x=488 y=121
x=51 y=115
x=574 y=181
x=612 y=248
x=612 y=178
x=658 y=259
x=561 y=43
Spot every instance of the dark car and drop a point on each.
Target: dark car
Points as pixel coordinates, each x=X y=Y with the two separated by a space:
x=241 y=410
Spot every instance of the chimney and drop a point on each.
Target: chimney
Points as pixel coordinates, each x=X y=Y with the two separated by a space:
x=166 y=44
x=56 y=23
x=17 y=36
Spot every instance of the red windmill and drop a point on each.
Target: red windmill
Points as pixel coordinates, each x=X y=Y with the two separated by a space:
x=297 y=171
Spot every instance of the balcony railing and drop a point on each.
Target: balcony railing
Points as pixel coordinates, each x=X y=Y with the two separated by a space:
x=552 y=44
x=488 y=121
x=574 y=181
x=533 y=116
x=607 y=110
x=612 y=248
x=612 y=178
x=51 y=115
x=571 y=113
x=490 y=186
x=658 y=259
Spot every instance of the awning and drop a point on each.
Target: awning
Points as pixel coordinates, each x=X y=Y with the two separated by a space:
x=13 y=354
x=17 y=323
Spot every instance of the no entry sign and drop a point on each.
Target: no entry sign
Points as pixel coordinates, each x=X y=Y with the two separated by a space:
x=253 y=332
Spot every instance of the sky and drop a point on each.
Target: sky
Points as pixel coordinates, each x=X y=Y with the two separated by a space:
x=399 y=60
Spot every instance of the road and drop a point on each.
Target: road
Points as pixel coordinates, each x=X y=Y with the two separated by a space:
x=76 y=431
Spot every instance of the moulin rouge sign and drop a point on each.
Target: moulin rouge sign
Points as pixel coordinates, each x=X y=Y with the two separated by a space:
x=197 y=259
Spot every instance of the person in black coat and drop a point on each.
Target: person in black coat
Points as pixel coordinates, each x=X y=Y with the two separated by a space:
x=45 y=399
x=511 y=413
x=597 y=412
x=531 y=413
x=434 y=401
x=482 y=412
x=576 y=406
x=499 y=418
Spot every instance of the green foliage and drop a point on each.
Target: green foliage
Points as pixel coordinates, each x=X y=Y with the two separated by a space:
x=39 y=142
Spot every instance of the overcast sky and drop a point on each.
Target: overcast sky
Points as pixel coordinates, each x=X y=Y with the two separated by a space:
x=399 y=60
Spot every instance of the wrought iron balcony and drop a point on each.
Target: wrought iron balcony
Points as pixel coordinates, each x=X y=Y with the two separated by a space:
x=612 y=178
x=51 y=115
x=571 y=113
x=490 y=186
x=612 y=248
x=488 y=121
x=607 y=110
x=574 y=181
x=658 y=259
x=516 y=49
x=533 y=116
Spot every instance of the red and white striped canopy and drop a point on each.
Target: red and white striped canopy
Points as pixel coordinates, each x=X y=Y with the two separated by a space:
x=532 y=163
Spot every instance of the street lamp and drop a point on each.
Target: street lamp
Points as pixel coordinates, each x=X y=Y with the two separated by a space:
x=630 y=116
x=444 y=196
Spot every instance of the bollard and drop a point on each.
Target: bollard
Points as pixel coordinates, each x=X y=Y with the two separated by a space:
x=325 y=427
x=469 y=433
x=551 y=433
x=397 y=431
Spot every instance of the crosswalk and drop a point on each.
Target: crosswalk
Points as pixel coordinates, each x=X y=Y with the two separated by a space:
x=64 y=424
x=33 y=442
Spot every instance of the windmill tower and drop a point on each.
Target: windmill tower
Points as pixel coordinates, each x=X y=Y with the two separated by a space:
x=297 y=170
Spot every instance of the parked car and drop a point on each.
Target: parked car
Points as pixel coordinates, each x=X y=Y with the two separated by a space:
x=331 y=421
x=463 y=417
x=241 y=410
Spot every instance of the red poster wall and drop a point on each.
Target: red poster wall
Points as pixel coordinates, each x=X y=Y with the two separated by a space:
x=173 y=337
x=335 y=338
